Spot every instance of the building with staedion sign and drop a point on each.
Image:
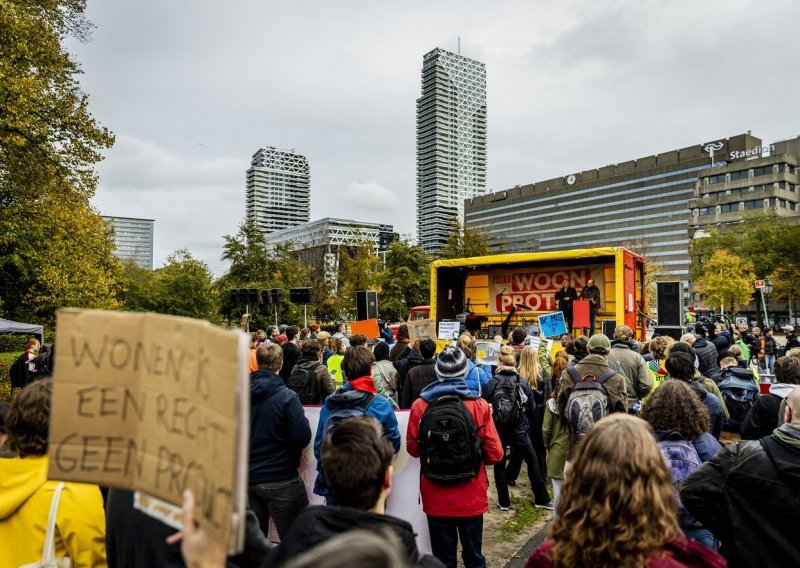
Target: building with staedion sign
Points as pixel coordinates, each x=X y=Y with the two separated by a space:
x=659 y=201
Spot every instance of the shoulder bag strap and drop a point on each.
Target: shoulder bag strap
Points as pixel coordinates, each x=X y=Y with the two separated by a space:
x=49 y=552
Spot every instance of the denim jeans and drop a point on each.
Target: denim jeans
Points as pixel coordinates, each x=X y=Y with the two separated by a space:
x=769 y=361
x=703 y=536
x=592 y=322
x=445 y=532
x=281 y=501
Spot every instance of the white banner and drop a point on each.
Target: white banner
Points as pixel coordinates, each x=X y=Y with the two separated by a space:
x=404 y=502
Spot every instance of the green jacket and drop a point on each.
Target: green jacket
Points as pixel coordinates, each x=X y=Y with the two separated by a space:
x=544 y=357
x=554 y=433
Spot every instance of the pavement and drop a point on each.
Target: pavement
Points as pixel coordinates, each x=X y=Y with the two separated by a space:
x=521 y=557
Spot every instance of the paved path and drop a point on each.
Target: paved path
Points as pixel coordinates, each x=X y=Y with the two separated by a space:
x=519 y=559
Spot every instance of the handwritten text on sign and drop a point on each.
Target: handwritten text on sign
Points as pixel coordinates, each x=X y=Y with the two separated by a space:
x=137 y=408
x=535 y=288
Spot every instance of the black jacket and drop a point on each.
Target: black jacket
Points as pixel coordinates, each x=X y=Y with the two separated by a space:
x=707 y=355
x=748 y=495
x=318 y=523
x=764 y=416
x=521 y=434
x=591 y=293
x=279 y=429
x=419 y=377
x=407 y=360
x=134 y=538
x=564 y=299
x=722 y=341
x=291 y=354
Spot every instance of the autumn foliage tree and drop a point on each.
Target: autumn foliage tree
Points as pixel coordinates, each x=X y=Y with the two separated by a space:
x=726 y=281
x=54 y=248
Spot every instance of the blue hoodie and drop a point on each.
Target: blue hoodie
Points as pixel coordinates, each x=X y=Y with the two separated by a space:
x=476 y=379
x=279 y=429
x=380 y=409
x=456 y=386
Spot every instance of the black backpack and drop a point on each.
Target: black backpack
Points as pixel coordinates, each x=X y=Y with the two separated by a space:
x=303 y=382
x=18 y=372
x=450 y=448
x=739 y=393
x=587 y=403
x=507 y=403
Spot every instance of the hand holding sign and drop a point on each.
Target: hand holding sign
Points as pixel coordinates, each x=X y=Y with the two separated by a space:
x=552 y=324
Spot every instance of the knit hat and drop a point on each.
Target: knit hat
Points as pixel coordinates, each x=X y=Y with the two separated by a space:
x=599 y=343
x=451 y=363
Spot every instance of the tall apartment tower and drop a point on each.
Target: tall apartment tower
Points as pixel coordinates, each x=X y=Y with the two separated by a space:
x=278 y=189
x=451 y=143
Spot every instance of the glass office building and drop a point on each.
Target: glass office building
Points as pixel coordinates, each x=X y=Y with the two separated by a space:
x=278 y=189
x=133 y=239
x=644 y=202
x=451 y=143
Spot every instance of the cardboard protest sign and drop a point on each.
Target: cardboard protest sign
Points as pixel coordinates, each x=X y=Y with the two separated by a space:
x=421 y=329
x=552 y=324
x=449 y=329
x=367 y=328
x=156 y=404
x=487 y=352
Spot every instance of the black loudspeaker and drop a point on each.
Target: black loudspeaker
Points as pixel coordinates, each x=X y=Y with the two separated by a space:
x=673 y=332
x=670 y=304
x=366 y=305
x=235 y=296
x=608 y=328
x=300 y=296
x=277 y=295
x=252 y=296
x=266 y=297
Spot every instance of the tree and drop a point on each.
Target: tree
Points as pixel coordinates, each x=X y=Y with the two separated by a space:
x=726 y=281
x=184 y=287
x=140 y=288
x=46 y=130
x=358 y=270
x=463 y=243
x=59 y=252
x=55 y=250
x=405 y=281
x=654 y=270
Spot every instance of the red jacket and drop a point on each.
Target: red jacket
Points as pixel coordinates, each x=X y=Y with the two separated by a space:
x=468 y=498
x=680 y=552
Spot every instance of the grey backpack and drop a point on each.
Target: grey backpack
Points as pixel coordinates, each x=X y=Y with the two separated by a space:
x=587 y=403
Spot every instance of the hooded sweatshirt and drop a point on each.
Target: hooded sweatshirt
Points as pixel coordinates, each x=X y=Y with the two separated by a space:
x=349 y=397
x=466 y=498
x=25 y=496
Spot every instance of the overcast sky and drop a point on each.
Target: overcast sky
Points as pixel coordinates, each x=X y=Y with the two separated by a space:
x=193 y=88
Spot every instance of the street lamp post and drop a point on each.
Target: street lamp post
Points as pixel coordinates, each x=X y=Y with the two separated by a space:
x=767 y=290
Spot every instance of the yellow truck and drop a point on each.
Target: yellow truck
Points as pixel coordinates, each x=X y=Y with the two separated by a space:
x=490 y=293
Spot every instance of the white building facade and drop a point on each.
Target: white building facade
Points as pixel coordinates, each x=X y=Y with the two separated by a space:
x=278 y=189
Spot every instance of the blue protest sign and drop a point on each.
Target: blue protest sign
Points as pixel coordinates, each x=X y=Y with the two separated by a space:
x=552 y=324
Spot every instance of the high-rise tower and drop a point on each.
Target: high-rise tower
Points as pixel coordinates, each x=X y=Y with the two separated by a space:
x=278 y=189
x=451 y=143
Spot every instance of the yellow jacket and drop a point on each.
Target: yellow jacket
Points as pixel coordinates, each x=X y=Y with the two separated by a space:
x=25 y=495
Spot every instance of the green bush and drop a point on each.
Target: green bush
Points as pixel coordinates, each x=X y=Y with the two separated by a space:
x=11 y=342
x=6 y=359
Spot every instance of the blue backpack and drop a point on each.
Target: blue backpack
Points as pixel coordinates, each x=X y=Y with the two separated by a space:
x=682 y=459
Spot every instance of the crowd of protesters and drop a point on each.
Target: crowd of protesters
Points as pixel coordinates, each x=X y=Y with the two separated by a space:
x=663 y=454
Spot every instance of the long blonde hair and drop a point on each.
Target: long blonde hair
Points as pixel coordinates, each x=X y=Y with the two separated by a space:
x=529 y=365
x=617 y=505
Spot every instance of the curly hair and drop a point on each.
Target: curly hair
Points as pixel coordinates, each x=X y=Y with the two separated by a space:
x=660 y=346
x=617 y=504
x=674 y=406
x=28 y=419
